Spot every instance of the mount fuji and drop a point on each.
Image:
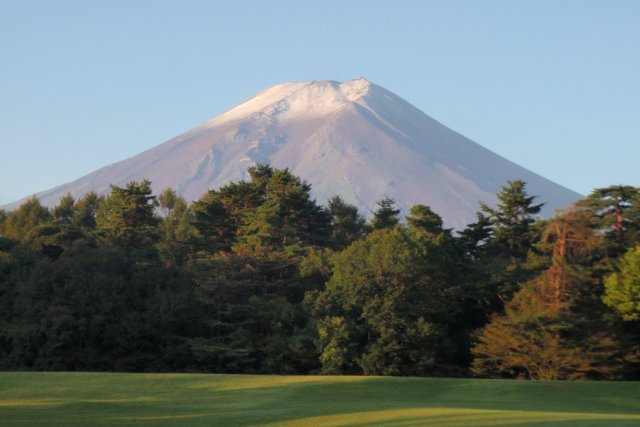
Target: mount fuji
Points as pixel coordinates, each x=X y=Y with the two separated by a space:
x=354 y=139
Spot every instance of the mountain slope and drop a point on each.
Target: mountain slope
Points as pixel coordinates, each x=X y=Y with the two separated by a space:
x=354 y=139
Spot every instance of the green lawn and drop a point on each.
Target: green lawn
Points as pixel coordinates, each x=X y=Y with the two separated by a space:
x=85 y=399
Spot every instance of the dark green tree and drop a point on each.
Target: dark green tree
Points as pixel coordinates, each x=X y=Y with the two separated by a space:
x=421 y=218
x=177 y=232
x=64 y=210
x=347 y=225
x=616 y=211
x=255 y=316
x=386 y=216
x=287 y=216
x=94 y=308
x=16 y=261
x=85 y=210
x=475 y=237
x=126 y=217
x=513 y=219
x=509 y=252
x=216 y=225
x=392 y=305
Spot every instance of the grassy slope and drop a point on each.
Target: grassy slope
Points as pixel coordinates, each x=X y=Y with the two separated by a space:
x=227 y=400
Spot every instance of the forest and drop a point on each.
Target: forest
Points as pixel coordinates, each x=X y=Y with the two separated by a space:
x=257 y=277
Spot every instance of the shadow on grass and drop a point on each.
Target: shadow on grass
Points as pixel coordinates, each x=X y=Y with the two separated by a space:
x=234 y=400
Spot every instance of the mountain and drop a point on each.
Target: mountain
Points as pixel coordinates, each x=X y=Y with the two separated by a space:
x=355 y=139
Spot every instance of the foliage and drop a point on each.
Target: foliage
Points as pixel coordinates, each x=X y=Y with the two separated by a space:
x=623 y=287
x=390 y=307
x=286 y=216
x=386 y=216
x=347 y=224
x=257 y=277
x=542 y=333
x=92 y=309
x=256 y=322
x=127 y=217
x=29 y=215
x=176 y=229
x=501 y=245
x=532 y=340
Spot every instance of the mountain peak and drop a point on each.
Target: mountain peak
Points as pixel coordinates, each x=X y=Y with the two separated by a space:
x=353 y=138
x=356 y=88
x=295 y=99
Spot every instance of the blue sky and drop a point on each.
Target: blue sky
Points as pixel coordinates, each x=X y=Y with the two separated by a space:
x=551 y=85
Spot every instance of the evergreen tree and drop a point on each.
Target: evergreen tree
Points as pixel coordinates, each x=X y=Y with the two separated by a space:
x=167 y=200
x=15 y=262
x=347 y=225
x=176 y=230
x=92 y=308
x=127 y=216
x=616 y=210
x=423 y=219
x=85 y=210
x=507 y=255
x=386 y=216
x=215 y=222
x=287 y=215
x=53 y=238
x=256 y=320
x=63 y=211
x=476 y=236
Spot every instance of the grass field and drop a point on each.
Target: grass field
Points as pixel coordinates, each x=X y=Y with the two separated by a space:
x=86 y=399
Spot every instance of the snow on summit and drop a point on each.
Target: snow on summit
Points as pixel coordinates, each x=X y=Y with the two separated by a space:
x=354 y=139
x=292 y=100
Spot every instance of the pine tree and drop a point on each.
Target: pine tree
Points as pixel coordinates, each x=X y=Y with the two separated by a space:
x=176 y=230
x=386 y=216
x=507 y=254
x=423 y=219
x=85 y=210
x=255 y=316
x=127 y=217
x=616 y=211
x=63 y=211
x=287 y=216
x=347 y=225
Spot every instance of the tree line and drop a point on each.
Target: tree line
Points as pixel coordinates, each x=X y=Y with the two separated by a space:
x=257 y=277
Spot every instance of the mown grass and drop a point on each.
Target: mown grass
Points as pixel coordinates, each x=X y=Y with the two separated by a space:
x=83 y=399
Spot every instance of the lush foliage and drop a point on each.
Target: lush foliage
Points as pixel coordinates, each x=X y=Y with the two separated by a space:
x=623 y=287
x=257 y=277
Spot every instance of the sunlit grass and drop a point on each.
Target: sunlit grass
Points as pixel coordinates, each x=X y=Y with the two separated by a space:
x=244 y=382
x=44 y=399
x=451 y=417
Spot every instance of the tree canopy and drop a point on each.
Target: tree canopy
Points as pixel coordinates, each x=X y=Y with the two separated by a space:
x=258 y=277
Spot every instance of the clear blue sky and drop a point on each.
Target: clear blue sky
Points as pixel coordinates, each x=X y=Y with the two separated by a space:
x=552 y=85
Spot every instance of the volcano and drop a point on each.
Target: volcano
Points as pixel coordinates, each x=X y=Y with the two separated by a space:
x=354 y=139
